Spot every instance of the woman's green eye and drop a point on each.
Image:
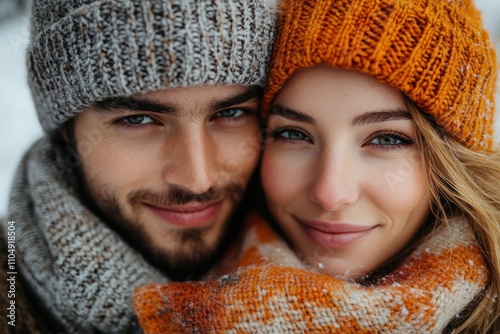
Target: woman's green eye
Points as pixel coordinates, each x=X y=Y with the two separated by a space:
x=293 y=135
x=386 y=140
x=290 y=135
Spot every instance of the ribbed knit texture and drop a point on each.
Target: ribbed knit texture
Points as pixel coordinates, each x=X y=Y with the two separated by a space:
x=272 y=292
x=81 y=52
x=435 y=51
x=80 y=269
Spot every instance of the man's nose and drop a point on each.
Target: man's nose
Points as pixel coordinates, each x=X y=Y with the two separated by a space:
x=335 y=184
x=192 y=161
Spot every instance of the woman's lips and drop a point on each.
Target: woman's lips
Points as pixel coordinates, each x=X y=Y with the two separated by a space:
x=188 y=216
x=334 y=234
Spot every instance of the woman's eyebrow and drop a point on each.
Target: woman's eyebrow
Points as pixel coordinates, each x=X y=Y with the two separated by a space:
x=380 y=116
x=291 y=114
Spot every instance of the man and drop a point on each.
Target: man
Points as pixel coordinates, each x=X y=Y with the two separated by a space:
x=152 y=136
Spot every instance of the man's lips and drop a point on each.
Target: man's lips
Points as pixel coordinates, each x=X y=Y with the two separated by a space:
x=188 y=216
x=333 y=234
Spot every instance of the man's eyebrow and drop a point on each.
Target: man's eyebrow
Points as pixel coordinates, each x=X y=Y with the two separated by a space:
x=128 y=103
x=291 y=114
x=380 y=116
x=248 y=94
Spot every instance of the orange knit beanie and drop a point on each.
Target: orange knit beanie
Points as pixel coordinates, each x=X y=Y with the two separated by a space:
x=435 y=51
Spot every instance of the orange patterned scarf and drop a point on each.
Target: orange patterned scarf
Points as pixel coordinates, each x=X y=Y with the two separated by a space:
x=272 y=291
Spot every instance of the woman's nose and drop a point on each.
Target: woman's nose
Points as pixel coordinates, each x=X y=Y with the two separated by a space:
x=335 y=184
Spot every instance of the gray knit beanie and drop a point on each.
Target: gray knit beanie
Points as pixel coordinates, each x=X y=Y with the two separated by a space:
x=83 y=51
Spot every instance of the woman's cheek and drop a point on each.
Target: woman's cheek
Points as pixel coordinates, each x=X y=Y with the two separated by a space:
x=282 y=176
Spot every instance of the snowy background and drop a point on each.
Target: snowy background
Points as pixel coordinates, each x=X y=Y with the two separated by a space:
x=20 y=127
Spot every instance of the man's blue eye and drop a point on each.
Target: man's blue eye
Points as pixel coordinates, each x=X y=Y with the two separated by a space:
x=228 y=113
x=137 y=119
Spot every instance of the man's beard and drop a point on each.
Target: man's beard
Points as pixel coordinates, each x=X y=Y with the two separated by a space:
x=193 y=257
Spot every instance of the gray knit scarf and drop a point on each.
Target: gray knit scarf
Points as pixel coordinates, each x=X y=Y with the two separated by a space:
x=80 y=269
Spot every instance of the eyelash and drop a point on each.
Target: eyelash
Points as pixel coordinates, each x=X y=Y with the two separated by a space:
x=398 y=136
x=404 y=140
x=121 y=122
x=277 y=135
x=245 y=113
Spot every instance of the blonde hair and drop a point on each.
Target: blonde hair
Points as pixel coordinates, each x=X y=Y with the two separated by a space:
x=465 y=182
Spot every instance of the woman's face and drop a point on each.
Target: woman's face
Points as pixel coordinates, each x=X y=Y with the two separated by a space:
x=341 y=170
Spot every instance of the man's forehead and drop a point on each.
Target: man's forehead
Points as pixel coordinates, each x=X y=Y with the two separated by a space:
x=182 y=100
x=196 y=92
x=202 y=99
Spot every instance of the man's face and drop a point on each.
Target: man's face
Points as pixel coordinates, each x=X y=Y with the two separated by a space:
x=167 y=168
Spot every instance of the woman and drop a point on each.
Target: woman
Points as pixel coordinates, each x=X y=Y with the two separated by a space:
x=341 y=170
x=381 y=171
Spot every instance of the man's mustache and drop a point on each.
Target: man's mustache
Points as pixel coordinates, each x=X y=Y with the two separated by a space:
x=179 y=196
